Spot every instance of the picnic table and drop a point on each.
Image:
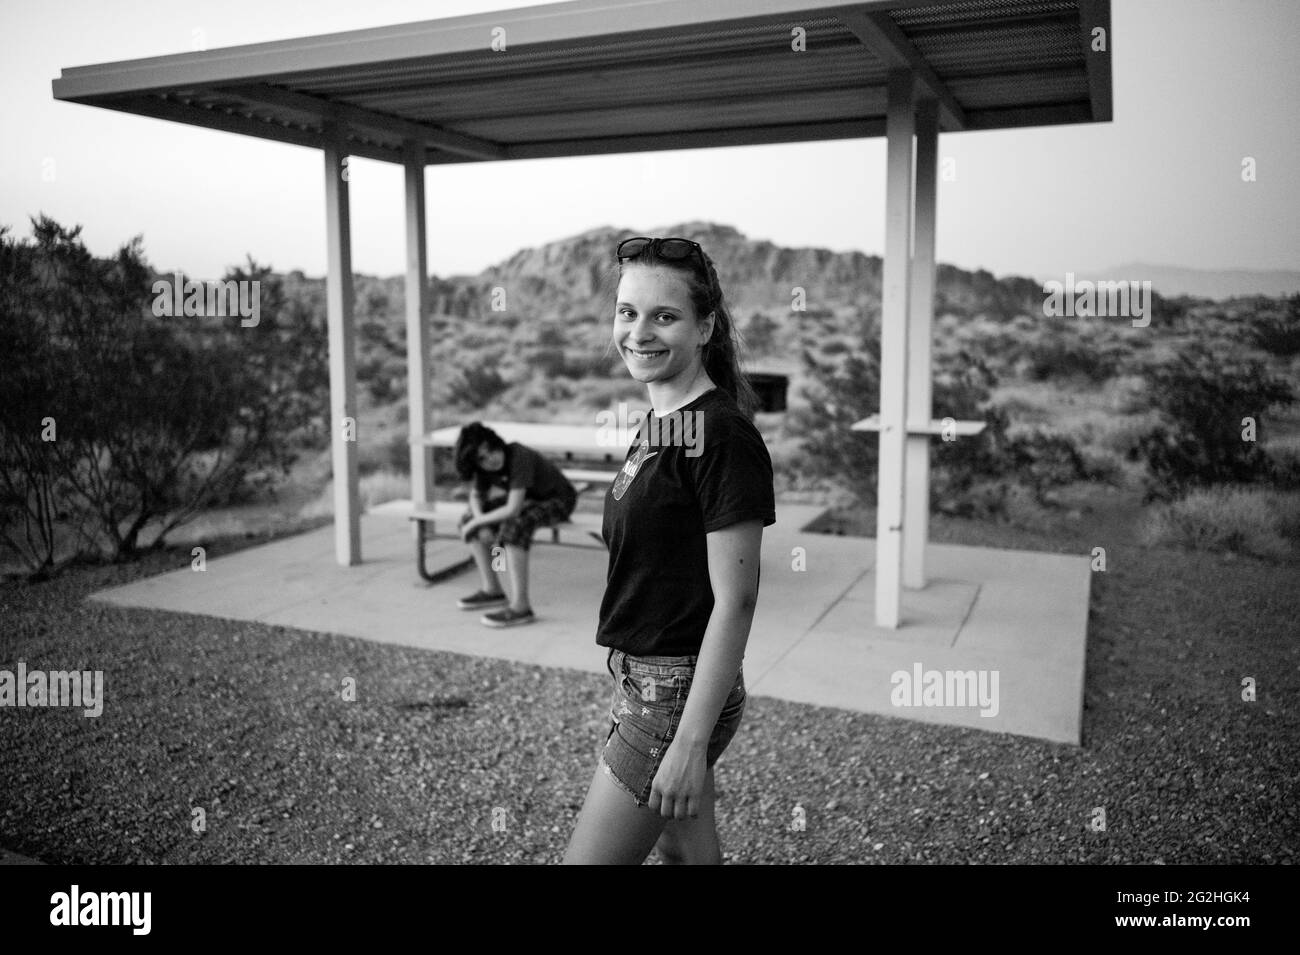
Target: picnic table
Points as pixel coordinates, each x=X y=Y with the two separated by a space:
x=564 y=442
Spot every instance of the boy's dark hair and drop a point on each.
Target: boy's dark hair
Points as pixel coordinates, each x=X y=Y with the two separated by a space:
x=472 y=437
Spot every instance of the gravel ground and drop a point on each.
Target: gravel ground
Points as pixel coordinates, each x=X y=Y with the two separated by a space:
x=247 y=723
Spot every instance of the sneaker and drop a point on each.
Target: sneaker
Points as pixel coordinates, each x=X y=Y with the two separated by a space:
x=508 y=618
x=479 y=599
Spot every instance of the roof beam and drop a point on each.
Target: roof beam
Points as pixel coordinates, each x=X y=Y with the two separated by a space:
x=155 y=107
x=1019 y=116
x=699 y=139
x=1093 y=14
x=882 y=36
x=846 y=59
x=1021 y=21
x=357 y=118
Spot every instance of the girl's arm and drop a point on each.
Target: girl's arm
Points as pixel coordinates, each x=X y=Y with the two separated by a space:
x=733 y=572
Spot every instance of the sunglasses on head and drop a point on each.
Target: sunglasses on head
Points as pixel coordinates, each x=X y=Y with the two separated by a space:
x=669 y=250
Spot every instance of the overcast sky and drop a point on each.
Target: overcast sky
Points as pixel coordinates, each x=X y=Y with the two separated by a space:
x=1198 y=85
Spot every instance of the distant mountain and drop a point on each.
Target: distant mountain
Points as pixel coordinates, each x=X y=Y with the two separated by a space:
x=525 y=331
x=577 y=276
x=1215 y=284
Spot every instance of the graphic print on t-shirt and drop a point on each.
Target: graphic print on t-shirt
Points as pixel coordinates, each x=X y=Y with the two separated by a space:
x=630 y=467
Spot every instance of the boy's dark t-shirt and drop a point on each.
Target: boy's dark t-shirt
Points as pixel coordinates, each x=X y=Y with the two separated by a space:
x=689 y=472
x=524 y=468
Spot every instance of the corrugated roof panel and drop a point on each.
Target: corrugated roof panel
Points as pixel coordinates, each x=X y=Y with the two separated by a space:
x=664 y=47
x=760 y=71
x=981 y=50
x=693 y=84
x=1020 y=89
x=603 y=72
x=623 y=120
x=968 y=12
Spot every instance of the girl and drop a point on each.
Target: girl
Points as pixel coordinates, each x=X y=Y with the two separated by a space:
x=684 y=524
x=515 y=491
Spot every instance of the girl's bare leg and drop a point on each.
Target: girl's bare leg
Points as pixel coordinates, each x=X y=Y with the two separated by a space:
x=693 y=841
x=612 y=829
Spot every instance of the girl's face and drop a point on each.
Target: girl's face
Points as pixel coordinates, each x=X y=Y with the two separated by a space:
x=489 y=460
x=655 y=330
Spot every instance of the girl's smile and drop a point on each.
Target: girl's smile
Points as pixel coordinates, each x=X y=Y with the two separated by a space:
x=647 y=355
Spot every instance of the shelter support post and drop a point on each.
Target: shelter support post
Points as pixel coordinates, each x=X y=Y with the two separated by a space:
x=417 y=333
x=920 y=343
x=900 y=125
x=342 y=345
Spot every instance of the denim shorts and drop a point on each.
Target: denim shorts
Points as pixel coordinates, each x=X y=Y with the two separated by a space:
x=649 y=697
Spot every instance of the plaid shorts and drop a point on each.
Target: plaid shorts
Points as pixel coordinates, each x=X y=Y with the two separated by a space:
x=518 y=531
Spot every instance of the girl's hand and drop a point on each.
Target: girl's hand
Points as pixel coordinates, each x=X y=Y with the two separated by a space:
x=471 y=527
x=679 y=785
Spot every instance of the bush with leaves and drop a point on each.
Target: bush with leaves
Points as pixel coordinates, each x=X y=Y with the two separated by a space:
x=969 y=475
x=1276 y=327
x=131 y=418
x=1059 y=354
x=1203 y=398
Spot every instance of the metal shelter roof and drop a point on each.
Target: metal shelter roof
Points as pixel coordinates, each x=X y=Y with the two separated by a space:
x=611 y=76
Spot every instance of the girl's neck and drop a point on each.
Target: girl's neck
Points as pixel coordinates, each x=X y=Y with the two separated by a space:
x=668 y=396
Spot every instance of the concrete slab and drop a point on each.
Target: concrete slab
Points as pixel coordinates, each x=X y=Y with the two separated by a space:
x=1015 y=617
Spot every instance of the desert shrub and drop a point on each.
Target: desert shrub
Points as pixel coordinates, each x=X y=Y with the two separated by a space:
x=1023 y=409
x=541 y=392
x=1102 y=465
x=1125 y=395
x=1276 y=329
x=1284 y=465
x=839 y=394
x=968 y=475
x=157 y=416
x=549 y=360
x=977 y=477
x=1042 y=460
x=1057 y=354
x=1242 y=519
x=383 y=375
x=1202 y=398
x=761 y=334
x=397 y=452
x=476 y=383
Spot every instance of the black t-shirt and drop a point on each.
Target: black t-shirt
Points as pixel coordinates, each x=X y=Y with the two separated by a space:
x=695 y=470
x=523 y=468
